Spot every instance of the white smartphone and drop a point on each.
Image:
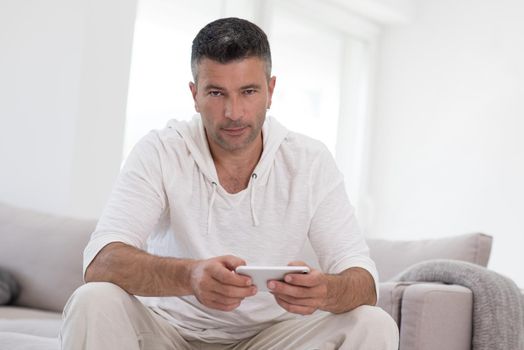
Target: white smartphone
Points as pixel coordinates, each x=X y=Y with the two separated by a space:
x=260 y=275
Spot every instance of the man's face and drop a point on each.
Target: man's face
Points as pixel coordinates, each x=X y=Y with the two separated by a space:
x=232 y=99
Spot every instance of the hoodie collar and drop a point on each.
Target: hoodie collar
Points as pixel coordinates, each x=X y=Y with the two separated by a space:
x=194 y=136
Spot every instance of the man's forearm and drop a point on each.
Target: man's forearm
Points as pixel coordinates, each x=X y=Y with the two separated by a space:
x=140 y=273
x=349 y=289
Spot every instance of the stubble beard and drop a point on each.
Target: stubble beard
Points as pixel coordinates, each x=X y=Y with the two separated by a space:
x=254 y=132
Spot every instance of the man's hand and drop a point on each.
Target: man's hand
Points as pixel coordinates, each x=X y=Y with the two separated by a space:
x=212 y=281
x=301 y=293
x=304 y=294
x=216 y=285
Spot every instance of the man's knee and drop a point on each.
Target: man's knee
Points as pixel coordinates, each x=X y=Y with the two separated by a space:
x=95 y=296
x=375 y=317
x=379 y=323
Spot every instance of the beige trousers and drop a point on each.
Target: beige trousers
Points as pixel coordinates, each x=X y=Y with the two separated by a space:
x=103 y=316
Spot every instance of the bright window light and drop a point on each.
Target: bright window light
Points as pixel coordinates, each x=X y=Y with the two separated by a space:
x=307 y=63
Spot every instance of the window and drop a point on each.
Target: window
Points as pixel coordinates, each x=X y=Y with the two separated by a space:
x=160 y=65
x=307 y=62
x=321 y=54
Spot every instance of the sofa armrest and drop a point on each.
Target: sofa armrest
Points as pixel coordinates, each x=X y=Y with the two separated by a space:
x=436 y=316
x=390 y=298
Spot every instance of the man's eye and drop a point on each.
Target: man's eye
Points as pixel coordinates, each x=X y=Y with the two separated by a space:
x=249 y=91
x=215 y=93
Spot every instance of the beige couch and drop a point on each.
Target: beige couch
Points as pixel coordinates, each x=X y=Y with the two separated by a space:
x=44 y=254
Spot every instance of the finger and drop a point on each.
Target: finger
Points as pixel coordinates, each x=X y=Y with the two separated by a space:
x=235 y=292
x=232 y=262
x=229 y=284
x=218 y=301
x=224 y=300
x=288 y=289
x=312 y=279
x=211 y=284
x=226 y=277
x=223 y=307
x=296 y=309
x=310 y=302
x=298 y=263
x=215 y=301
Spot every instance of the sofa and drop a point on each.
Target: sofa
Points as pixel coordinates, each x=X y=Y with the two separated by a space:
x=43 y=254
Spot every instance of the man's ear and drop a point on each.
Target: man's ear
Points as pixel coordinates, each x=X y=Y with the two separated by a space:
x=194 y=90
x=271 y=88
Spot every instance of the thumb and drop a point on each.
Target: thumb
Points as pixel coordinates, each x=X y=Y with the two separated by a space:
x=297 y=263
x=232 y=262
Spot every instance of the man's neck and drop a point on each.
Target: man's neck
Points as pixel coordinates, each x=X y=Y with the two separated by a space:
x=234 y=168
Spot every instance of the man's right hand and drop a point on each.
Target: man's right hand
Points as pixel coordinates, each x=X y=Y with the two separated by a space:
x=215 y=284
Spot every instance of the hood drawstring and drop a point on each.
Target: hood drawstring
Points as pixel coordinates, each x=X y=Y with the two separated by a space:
x=193 y=134
x=211 y=202
x=253 y=213
x=252 y=200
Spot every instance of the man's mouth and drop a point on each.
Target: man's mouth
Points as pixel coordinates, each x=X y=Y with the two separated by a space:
x=236 y=131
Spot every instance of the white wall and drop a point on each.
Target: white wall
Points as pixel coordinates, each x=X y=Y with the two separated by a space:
x=447 y=155
x=64 y=68
x=448 y=146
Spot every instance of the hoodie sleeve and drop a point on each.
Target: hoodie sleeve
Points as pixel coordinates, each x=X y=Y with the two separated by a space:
x=136 y=202
x=334 y=232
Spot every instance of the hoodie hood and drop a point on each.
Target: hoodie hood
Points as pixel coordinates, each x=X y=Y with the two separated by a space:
x=194 y=136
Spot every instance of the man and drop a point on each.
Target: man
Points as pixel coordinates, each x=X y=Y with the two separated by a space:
x=198 y=199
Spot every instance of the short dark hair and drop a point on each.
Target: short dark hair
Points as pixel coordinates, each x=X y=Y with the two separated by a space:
x=230 y=39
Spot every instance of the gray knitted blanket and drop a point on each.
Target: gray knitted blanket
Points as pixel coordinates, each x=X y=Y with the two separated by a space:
x=498 y=304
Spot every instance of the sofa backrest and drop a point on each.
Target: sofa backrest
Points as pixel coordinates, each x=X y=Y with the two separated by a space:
x=44 y=254
x=391 y=257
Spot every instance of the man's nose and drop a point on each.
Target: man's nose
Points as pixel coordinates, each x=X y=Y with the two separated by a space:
x=234 y=109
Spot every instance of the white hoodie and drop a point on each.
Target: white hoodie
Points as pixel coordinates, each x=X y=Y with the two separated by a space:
x=168 y=201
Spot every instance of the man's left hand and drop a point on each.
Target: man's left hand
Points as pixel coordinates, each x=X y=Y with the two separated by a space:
x=301 y=293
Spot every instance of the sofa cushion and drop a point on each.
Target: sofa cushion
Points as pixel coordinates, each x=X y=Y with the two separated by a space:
x=19 y=341
x=29 y=321
x=39 y=327
x=11 y=312
x=392 y=257
x=44 y=254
